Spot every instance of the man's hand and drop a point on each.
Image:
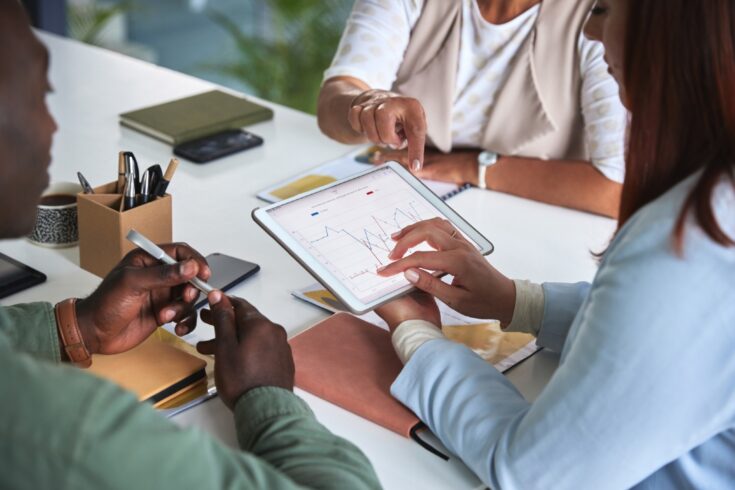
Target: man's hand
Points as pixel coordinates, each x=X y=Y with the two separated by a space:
x=249 y=350
x=139 y=295
x=391 y=120
x=459 y=167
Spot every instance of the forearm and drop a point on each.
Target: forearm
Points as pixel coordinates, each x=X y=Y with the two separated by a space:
x=31 y=328
x=270 y=419
x=571 y=184
x=545 y=311
x=335 y=100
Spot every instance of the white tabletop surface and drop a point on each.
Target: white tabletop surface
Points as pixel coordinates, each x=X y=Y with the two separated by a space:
x=212 y=205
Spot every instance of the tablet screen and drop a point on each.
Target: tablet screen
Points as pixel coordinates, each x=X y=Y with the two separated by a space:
x=347 y=228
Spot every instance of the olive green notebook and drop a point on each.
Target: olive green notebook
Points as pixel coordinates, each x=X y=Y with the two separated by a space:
x=190 y=118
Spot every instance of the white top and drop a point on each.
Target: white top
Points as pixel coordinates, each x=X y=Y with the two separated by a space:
x=378 y=33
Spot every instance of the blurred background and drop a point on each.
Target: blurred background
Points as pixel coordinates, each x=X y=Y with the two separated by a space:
x=275 y=49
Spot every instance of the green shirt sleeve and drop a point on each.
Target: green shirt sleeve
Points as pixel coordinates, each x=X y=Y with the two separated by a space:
x=31 y=328
x=267 y=421
x=66 y=429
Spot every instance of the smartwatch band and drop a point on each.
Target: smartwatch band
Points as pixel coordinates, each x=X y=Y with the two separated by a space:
x=485 y=160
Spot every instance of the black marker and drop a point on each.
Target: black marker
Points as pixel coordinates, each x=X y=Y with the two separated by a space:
x=146 y=189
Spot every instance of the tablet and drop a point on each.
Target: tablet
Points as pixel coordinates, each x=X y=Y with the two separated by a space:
x=15 y=277
x=341 y=232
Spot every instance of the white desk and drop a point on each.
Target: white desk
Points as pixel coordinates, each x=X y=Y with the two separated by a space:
x=212 y=205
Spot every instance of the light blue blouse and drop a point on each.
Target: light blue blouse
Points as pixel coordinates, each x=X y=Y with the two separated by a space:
x=644 y=395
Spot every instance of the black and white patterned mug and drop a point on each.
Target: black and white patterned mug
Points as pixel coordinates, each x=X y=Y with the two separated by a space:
x=56 y=219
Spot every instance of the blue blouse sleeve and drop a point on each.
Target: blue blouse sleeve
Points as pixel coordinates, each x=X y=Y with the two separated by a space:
x=646 y=376
x=561 y=304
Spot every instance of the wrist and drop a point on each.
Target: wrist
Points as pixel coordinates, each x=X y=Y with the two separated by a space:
x=471 y=168
x=87 y=328
x=486 y=160
x=508 y=302
x=70 y=336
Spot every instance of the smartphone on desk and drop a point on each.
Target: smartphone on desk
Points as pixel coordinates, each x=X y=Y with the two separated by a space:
x=217 y=145
x=227 y=272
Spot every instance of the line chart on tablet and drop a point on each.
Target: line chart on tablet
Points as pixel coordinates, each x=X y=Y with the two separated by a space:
x=348 y=229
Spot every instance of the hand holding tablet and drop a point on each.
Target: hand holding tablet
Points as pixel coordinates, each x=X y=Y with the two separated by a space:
x=341 y=233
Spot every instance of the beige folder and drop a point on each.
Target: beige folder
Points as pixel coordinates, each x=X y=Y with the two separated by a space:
x=155 y=371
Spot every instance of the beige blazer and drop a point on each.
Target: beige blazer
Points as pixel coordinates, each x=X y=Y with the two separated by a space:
x=538 y=111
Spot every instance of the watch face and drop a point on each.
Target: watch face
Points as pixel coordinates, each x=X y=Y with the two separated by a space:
x=487 y=158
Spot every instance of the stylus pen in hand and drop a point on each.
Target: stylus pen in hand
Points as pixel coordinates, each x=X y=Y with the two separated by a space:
x=158 y=253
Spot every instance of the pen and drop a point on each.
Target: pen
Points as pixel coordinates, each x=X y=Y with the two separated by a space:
x=157 y=253
x=162 y=184
x=156 y=176
x=121 y=169
x=131 y=167
x=145 y=187
x=85 y=184
x=129 y=194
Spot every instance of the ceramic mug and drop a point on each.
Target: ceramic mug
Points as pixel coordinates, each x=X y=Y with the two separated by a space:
x=56 y=218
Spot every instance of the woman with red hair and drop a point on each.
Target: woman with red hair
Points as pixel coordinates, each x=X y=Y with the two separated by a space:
x=644 y=395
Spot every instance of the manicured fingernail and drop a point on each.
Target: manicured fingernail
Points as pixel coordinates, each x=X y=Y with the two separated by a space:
x=411 y=276
x=215 y=297
x=381 y=268
x=416 y=165
x=168 y=315
x=392 y=254
x=395 y=235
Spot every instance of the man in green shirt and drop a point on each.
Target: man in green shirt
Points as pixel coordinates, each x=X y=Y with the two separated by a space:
x=64 y=429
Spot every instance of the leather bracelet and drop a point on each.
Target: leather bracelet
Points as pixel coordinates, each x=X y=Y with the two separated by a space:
x=71 y=336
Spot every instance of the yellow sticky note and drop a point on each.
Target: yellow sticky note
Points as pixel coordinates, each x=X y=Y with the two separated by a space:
x=304 y=184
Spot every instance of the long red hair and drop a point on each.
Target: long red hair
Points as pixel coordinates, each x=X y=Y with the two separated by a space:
x=680 y=84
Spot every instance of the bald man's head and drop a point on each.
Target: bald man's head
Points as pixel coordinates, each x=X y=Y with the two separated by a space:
x=26 y=127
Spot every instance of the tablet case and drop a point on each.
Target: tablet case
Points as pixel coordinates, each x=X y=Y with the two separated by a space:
x=16 y=276
x=155 y=371
x=351 y=363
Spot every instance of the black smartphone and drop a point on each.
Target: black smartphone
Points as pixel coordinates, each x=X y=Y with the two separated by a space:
x=227 y=272
x=217 y=145
x=15 y=276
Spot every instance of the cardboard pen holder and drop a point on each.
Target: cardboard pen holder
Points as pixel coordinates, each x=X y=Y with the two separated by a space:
x=103 y=226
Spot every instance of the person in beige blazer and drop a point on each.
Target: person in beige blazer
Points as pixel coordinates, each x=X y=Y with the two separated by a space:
x=503 y=94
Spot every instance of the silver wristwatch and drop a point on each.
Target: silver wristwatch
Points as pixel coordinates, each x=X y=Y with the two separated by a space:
x=485 y=160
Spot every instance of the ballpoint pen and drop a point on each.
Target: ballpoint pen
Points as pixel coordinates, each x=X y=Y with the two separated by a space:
x=157 y=253
x=162 y=184
x=85 y=184
x=129 y=195
x=131 y=167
